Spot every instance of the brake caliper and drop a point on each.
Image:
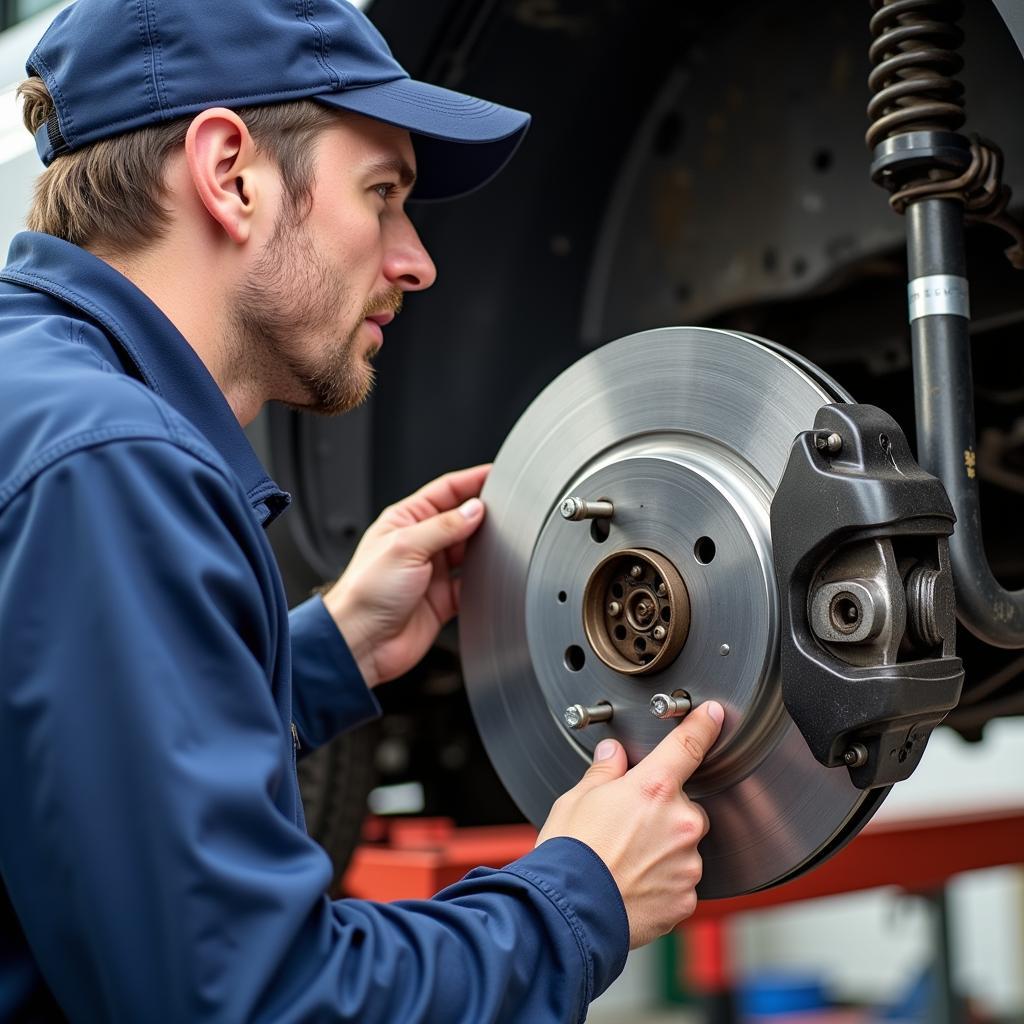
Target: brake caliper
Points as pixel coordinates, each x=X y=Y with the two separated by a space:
x=860 y=544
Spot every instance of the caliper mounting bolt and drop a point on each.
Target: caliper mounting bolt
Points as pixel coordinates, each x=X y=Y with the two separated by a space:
x=574 y=509
x=579 y=716
x=831 y=443
x=674 y=705
x=856 y=756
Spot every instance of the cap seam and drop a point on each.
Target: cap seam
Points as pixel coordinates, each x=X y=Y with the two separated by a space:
x=158 y=44
x=304 y=10
x=484 y=108
x=148 y=76
x=325 y=36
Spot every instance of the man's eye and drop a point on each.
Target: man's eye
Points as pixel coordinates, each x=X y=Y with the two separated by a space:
x=385 y=191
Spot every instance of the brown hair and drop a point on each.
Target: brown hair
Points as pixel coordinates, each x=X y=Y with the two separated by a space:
x=109 y=195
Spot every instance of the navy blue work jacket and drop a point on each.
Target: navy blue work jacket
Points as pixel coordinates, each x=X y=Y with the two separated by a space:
x=154 y=865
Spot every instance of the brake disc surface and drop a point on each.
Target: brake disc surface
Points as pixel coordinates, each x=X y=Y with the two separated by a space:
x=686 y=431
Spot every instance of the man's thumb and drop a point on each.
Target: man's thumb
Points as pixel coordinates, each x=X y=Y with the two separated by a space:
x=446 y=528
x=609 y=763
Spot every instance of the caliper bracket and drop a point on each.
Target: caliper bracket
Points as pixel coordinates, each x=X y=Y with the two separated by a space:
x=869 y=706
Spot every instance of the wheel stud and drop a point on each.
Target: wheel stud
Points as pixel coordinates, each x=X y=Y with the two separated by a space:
x=579 y=716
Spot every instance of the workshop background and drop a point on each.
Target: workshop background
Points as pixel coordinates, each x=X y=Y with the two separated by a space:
x=753 y=137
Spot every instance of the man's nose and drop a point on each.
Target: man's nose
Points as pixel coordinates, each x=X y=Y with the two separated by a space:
x=407 y=262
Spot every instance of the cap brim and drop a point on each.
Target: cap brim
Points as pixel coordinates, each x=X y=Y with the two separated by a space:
x=461 y=142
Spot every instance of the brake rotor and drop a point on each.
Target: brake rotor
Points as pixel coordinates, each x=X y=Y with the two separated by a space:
x=686 y=433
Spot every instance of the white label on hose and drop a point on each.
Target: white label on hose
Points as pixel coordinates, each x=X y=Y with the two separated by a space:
x=939 y=294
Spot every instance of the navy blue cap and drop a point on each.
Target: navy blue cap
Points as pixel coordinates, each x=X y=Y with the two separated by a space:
x=112 y=66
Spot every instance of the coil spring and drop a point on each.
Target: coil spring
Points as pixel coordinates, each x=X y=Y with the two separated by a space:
x=914 y=60
x=914 y=57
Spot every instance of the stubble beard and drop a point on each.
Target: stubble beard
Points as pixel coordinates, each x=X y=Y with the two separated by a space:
x=285 y=320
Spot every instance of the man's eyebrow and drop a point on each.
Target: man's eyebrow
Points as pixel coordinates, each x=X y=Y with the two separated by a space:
x=394 y=166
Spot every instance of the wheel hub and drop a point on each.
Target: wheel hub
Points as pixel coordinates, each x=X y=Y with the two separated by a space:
x=636 y=611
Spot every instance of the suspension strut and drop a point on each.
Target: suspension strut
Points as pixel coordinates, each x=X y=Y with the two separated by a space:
x=938 y=177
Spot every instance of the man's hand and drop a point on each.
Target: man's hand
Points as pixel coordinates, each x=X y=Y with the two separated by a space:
x=398 y=590
x=641 y=824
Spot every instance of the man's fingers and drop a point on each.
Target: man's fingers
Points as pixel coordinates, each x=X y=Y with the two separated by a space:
x=452 y=489
x=680 y=753
x=434 y=535
x=609 y=763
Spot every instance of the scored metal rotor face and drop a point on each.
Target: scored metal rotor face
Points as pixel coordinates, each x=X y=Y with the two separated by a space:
x=687 y=432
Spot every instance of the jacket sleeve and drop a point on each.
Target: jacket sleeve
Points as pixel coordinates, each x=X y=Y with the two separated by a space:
x=143 y=837
x=329 y=695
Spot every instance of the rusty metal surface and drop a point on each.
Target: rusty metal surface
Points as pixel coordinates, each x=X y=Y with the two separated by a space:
x=636 y=612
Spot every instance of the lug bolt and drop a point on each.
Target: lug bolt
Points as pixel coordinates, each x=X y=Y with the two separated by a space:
x=579 y=716
x=662 y=590
x=574 y=509
x=664 y=705
x=636 y=572
x=615 y=608
x=856 y=756
x=659 y=633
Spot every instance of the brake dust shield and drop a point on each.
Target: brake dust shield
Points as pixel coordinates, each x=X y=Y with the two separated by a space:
x=686 y=432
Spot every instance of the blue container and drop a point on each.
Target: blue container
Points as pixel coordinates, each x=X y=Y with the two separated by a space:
x=776 y=993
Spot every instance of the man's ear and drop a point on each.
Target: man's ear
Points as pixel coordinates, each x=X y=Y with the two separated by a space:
x=221 y=159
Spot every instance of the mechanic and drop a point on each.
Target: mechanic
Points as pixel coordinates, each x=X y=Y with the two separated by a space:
x=221 y=223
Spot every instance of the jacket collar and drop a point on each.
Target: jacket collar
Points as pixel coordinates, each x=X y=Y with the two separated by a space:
x=148 y=343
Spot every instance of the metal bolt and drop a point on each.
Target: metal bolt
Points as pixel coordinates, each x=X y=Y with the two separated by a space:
x=856 y=756
x=579 y=716
x=659 y=633
x=664 y=705
x=636 y=572
x=643 y=609
x=662 y=590
x=575 y=509
x=615 y=608
x=831 y=443
x=724 y=650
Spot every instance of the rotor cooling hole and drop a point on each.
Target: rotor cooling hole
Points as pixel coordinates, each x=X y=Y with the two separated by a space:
x=575 y=659
x=599 y=530
x=704 y=550
x=562 y=597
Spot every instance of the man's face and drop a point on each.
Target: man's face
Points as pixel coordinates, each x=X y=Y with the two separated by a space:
x=321 y=291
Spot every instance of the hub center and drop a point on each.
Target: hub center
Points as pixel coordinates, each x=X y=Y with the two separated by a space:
x=636 y=611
